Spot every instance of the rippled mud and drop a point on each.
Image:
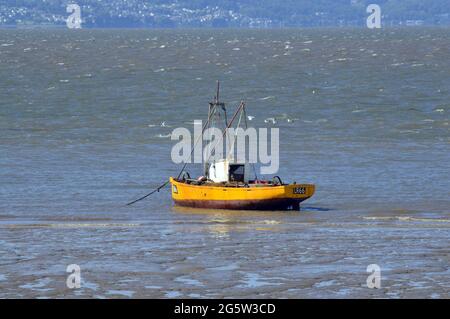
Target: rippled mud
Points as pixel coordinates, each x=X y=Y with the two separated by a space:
x=223 y=254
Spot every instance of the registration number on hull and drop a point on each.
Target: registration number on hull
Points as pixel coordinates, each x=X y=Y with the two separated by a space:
x=299 y=190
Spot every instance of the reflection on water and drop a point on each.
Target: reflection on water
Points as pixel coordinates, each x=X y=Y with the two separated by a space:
x=238 y=214
x=222 y=222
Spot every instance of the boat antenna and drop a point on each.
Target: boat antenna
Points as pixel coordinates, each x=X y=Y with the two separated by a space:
x=218 y=91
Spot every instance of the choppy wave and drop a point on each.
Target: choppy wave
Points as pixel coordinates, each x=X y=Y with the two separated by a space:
x=72 y=225
x=408 y=219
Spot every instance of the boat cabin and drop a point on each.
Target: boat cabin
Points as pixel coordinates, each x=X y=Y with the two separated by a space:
x=226 y=171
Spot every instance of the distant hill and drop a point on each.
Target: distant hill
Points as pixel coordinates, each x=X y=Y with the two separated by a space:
x=224 y=13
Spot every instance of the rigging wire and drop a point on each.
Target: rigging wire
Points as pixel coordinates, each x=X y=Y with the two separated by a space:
x=246 y=126
x=181 y=171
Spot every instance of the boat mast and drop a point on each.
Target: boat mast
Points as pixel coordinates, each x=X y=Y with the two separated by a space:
x=217 y=113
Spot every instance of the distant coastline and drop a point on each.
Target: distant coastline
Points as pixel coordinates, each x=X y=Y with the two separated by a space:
x=64 y=27
x=270 y=14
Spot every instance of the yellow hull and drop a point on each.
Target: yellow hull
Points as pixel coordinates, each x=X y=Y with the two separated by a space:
x=254 y=198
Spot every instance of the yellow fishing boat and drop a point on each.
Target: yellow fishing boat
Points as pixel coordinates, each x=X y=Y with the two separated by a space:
x=227 y=184
x=245 y=197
